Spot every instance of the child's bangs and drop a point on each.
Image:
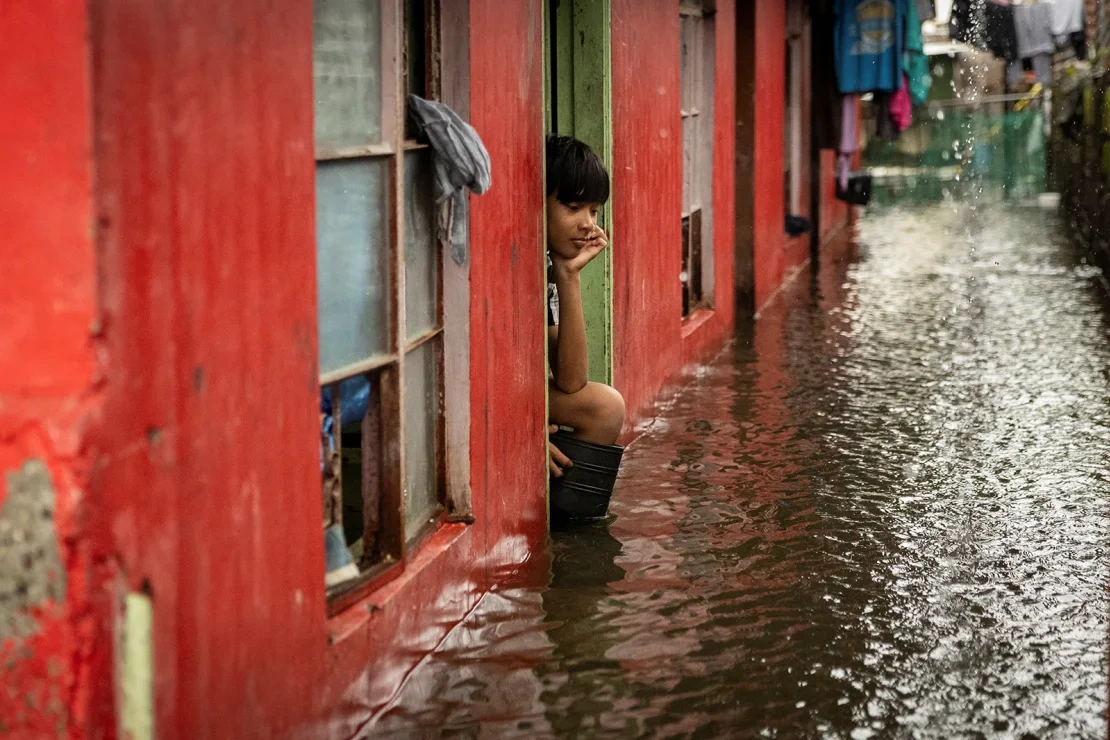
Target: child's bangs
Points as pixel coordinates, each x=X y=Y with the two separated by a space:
x=575 y=174
x=584 y=184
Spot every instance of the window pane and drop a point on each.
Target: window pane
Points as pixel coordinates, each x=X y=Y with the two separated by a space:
x=695 y=259
x=421 y=447
x=421 y=250
x=352 y=260
x=347 y=71
x=686 y=24
x=685 y=265
x=690 y=195
x=416 y=55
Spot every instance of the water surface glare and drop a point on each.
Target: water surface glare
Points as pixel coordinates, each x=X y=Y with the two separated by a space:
x=882 y=512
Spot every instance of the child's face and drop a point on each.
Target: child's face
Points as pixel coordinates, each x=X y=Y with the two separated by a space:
x=570 y=226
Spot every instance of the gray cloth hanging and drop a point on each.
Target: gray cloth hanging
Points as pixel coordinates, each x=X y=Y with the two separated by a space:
x=460 y=160
x=1033 y=26
x=1067 y=18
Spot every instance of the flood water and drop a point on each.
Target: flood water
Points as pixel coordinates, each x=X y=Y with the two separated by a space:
x=882 y=512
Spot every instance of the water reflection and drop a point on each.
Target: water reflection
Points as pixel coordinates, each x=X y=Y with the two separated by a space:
x=882 y=513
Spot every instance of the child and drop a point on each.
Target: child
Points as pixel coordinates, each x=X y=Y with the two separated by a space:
x=577 y=187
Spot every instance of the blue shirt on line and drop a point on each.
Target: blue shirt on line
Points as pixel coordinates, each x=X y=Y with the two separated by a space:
x=870 y=38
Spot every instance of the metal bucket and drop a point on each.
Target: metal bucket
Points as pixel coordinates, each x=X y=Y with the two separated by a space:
x=586 y=487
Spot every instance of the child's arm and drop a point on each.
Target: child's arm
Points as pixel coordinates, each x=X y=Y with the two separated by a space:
x=569 y=358
x=570 y=361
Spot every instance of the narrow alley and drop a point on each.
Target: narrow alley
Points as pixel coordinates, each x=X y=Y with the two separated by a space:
x=881 y=512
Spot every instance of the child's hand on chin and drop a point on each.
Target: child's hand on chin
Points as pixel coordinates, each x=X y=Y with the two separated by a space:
x=590 y=247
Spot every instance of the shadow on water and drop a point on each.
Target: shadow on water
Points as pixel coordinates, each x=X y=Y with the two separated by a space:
x=882 y=512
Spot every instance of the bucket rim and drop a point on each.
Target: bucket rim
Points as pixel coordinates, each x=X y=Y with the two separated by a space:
x=594 y=445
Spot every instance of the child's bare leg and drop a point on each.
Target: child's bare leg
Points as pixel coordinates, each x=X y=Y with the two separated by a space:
x=596 y=413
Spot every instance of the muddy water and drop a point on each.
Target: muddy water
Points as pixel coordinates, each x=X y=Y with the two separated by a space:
x=881 y=513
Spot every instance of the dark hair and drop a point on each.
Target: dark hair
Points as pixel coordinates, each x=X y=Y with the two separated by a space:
x=575 y=173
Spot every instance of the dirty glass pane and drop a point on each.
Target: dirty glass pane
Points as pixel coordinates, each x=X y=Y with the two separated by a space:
x=352 y=263
x=346 y=66
x=690 y=163
x=421 y=251
x=685 y=266
x=421 y=421
x=694 y=267
x=416 y=54
x=686 y=59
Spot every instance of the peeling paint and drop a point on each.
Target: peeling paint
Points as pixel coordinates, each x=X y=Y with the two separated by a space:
x=31 y=572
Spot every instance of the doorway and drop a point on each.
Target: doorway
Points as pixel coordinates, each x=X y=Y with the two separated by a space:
x=578 y=88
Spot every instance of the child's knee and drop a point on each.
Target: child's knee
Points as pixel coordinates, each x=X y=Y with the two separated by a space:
x=606 y=412
x=596 y=412
x=609 y=405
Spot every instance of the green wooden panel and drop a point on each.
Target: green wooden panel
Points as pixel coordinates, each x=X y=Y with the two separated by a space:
x=563 y=79
x=582 y=99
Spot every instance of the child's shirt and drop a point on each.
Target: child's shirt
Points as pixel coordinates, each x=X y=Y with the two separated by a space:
x=552 y=295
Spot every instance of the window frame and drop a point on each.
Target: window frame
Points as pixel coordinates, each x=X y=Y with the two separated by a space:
x=384 y=445
x=697 y=97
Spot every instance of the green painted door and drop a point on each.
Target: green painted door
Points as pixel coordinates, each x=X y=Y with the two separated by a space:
x=578 y=103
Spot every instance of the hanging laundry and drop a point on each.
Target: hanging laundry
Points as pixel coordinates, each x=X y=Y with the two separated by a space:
x=1040 y=65
x=914 y=62
x=999 y=32
x=1069 y=25
x=1033 y=29
x=1042 y=68
x=1067 y=18
x=849 y=138
x=461 y=162
x=869 y=45
x=901 y=109
x=1078 y=41
x=965 y=23
x=885 y=127
x=988 y=26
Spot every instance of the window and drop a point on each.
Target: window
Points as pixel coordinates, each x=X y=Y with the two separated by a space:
x=697 y=62
x=379 y=283
x=792 y=108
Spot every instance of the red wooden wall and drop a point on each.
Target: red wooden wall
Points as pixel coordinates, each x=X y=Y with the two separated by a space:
x=508 y=323
x=651 y=341
x=207 y=469
x=774 y=254
x=647 y=199
x=49 y=372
